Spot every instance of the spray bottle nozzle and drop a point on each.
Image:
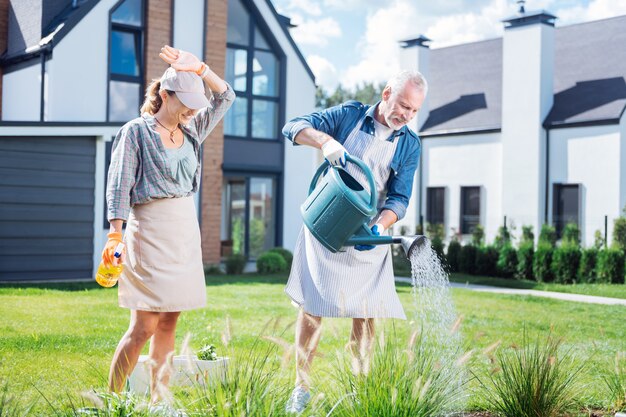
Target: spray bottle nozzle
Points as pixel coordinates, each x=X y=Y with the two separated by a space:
x=118 y=250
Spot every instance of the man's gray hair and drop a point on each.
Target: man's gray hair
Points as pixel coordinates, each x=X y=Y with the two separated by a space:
x=398 y=81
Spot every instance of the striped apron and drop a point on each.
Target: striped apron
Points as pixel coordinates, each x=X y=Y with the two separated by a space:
x=351 y=283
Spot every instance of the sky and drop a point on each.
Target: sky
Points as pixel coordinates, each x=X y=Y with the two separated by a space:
x=356 y=41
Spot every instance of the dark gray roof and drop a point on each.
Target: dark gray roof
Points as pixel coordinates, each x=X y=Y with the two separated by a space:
x=589 y=80
x=31 y=35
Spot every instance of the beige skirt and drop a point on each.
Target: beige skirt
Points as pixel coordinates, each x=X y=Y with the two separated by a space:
x=163 y=269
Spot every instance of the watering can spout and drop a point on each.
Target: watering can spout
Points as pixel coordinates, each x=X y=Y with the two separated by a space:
x=410 y=244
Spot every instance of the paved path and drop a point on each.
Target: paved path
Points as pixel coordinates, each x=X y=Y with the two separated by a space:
x=548 y=294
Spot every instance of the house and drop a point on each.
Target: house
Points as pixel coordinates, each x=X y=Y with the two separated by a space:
x=72 y=72
x=522 y=130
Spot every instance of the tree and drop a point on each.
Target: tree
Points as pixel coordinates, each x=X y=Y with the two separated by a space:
x=366 y=93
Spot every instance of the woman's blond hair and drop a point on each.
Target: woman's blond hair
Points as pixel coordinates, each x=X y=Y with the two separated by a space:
x=153 y=101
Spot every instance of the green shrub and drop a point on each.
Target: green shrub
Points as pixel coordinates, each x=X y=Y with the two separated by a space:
x=548 y=235
x=507 y=261
x=212 y=269
x=542 y=262
x=536 y=380
x=525 y=255
x=436 y=235
x=401 y=265
x=619 y=233
x=235 y=264
x=571 y=234
x=285 y=253
x=270 y=263
x=467 y=259
x=486 y=261
x=587 y=267
x=478 y=235
x=453 y=257
x=503 y=237
x=527 y=234
x=565 y=261
x=598 y=240
x=610 y=266
x=437 y=245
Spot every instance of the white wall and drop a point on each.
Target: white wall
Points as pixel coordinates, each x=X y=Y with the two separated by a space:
x=527 y=96
x=21 y=92
x=77 y=88
x=300 y=161
x=622 y=175
x=468 y=160
x=189 y=26
x=590 y=156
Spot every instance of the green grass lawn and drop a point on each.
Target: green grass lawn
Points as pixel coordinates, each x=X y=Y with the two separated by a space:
x=58 y=339
x=602 y=290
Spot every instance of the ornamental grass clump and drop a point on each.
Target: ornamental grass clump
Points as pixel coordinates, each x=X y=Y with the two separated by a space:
x=252 y=386
x=615 y=381
x=9 y=406
x=402 y=380
x=538 y=379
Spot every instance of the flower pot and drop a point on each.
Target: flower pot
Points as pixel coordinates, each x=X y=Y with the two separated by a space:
x=187 y=370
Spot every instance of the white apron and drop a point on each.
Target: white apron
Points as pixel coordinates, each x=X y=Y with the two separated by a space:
x=163 y=269
x=356 y=284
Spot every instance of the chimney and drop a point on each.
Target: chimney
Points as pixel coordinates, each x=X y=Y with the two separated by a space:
x=415 y=55
x=527 y=97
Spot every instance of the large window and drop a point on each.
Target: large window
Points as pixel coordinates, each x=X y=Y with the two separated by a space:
x=125 y=60
x=253 y=70
x=566 y=206
x=470 y=209
x=249 y=225
x=435 y=205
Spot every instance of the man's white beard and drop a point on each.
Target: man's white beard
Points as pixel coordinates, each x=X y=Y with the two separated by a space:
x=392 y=124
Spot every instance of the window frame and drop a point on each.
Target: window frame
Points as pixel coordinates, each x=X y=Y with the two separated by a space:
x=140 y=38
x=466 y=230
x=428 y=205
x=248 y=176
x=558 y=224
x=257 y=22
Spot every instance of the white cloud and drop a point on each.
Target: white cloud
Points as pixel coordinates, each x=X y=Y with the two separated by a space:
x=597 y=9
x=402 y=20
x=325 y=72
x=379 y=47
x=311 y=7
x=469 y=27
x=350 y=5
x=316 y=32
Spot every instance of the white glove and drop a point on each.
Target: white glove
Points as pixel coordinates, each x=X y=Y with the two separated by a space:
x=335 y=153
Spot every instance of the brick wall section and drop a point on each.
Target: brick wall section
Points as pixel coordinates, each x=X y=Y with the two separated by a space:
x=158 y=33
x=4 y=33
x=211 y=204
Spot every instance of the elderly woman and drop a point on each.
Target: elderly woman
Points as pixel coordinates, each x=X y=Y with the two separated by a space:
x=154 y=172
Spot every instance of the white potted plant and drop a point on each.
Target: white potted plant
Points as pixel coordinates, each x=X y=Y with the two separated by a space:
x=203 y=367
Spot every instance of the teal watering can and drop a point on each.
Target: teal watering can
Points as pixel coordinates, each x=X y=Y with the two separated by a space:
x=338 y=210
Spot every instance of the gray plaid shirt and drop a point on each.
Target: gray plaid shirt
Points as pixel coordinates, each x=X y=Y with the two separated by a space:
x=139 y=170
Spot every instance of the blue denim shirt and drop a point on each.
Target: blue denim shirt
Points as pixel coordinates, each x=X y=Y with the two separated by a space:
x=340 y=120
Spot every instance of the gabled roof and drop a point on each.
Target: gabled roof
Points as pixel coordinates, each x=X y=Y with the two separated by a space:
x=589 y=80
x=57 y=26
x=54 y=28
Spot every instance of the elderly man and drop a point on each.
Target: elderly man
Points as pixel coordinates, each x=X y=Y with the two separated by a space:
x=359 y=282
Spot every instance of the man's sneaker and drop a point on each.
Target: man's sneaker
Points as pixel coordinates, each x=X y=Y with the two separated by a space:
x=298 y=400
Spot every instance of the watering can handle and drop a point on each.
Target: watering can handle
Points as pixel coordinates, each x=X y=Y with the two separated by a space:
x=349 y=158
